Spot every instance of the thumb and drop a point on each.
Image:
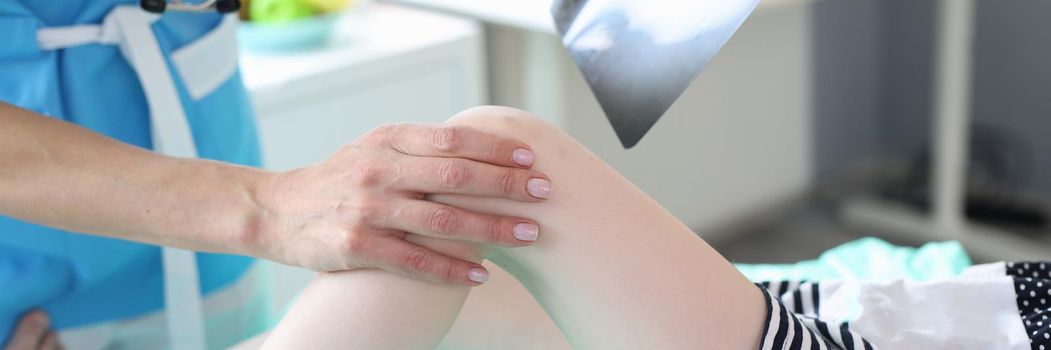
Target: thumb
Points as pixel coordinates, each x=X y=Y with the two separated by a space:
x=31 y=330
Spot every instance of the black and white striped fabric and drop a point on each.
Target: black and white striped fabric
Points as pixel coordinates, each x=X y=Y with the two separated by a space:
x=792 y=323
x=794 y=311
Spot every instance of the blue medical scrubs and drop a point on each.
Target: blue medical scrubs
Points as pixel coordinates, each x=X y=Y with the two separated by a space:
x=79 y=279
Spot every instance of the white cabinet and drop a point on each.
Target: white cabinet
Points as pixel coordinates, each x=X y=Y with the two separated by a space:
x=383 y=64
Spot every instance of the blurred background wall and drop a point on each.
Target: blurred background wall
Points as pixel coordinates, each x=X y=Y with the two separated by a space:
x=874 y=77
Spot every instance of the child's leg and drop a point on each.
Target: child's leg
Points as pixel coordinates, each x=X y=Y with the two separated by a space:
x=501 y=314
x=611 y=267
x=372 y=309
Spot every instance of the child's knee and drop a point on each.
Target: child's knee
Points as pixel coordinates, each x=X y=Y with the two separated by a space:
x=505 y=121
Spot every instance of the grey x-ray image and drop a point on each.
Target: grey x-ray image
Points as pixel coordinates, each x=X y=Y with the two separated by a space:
x=638 y=56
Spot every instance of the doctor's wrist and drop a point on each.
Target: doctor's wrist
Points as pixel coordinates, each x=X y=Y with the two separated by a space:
x=270 y=229
x=250 y=215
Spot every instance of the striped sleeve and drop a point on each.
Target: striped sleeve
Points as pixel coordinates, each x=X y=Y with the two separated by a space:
x=797 y=328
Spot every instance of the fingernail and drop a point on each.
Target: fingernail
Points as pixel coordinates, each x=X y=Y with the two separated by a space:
x=522 y=156
x=539 y=188
x=526 y=232
x=478 y=275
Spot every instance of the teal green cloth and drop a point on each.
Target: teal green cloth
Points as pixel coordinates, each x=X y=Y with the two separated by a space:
x=869 y=259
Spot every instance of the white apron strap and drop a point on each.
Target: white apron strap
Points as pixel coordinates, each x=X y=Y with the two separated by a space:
x=130 y=28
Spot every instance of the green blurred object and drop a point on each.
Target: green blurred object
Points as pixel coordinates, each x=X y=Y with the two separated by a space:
x=330 y=5
x=292 y=36
x=869 y=259
x=268 y=11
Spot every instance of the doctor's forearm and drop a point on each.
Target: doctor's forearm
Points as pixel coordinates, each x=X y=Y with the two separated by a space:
x=58 y=174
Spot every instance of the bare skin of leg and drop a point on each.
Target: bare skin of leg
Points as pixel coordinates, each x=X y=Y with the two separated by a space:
x=612 y=268
x=501 y=314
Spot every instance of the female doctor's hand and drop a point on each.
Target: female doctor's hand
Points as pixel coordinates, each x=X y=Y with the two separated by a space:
x=354 y=209
x=33 y=332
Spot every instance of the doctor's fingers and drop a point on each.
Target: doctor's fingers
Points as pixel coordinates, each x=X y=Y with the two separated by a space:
x=468 y=177
x=405 y=258
x=452 y=141
x=33 y=332
x=443 y=221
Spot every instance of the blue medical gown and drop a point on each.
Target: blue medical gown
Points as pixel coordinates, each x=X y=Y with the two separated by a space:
x=81 y=279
